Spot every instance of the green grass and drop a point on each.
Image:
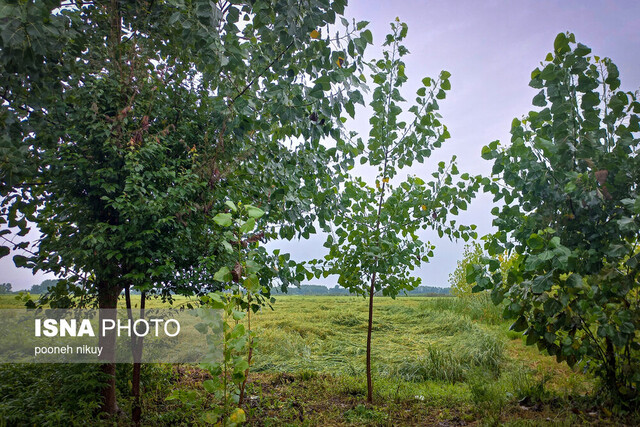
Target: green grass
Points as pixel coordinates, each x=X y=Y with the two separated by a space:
x=301 y=335
x=434 y=360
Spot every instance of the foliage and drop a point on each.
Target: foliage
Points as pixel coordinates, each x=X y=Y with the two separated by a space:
x=571 y=212
x=473 y=254
x=242 y=295
x=120 y=144
x=48 y=394
x=375 y=245
x=458 y=279
x=228 y=374
x=376 y=231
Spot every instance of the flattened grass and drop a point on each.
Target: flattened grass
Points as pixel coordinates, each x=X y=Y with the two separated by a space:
x=327 y=334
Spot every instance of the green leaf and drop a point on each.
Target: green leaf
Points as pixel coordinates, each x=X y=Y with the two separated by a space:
x=231 y=205
x=222 y=275
x=254 y=212
x=561 y=43
x=541 y=284
x=366 y=34
x=238 y=416
x=486 y=152
x=210 y=417
x=582 y=50
x=350 y=109
x=175 y=17
x=227 y=246
x=470 y=273
x=248 y=225
x=223 y=219
x=570 y=187
x=20 y=260
x=519 y=325
x=551 y=307
x=4 y=251
x=540 y=100
x=209 y=386
x=535 y=242
x=252 y=283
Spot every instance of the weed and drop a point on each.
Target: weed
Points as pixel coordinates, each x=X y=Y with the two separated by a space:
x=306 y=375
x=362 y=414
x=490 y=397
x=528 y=389
x=48 y=394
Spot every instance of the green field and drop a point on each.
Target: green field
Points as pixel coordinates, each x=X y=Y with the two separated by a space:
x=434 y=360
x=445 y=356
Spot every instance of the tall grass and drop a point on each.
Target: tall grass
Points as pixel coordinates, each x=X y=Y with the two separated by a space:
x=438 y=365
x=453 y=361
x=477 y=306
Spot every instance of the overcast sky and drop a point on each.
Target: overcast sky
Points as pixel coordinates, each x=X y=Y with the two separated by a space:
x=490 y=48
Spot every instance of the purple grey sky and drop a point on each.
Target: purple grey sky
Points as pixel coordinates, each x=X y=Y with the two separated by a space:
x=490 y=48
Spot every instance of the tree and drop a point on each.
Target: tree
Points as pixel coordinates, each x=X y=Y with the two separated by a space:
x=570 y=192
x=474 y=254
x=458 y=279
x=375 y=244
x=5 y=288
x=126 y=126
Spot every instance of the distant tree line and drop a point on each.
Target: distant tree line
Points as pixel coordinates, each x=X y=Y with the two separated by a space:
x=339 y=290
x=7 y=288
x=42 y=288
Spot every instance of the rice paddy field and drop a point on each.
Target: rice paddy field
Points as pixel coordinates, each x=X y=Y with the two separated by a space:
x=436 y=361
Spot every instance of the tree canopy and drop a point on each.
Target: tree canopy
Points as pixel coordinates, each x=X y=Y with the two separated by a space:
x=571 y=212
x=127 y=124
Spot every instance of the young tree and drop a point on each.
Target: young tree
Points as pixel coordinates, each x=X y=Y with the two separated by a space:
x=126 y=125
x=458 y=279
x=375 y=244
x=571 y=211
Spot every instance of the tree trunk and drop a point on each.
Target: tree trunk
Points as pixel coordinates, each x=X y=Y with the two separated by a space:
x=246 y=372
x=107 y=302
x=369 y=327
x=612 y=383
x=136 y=353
